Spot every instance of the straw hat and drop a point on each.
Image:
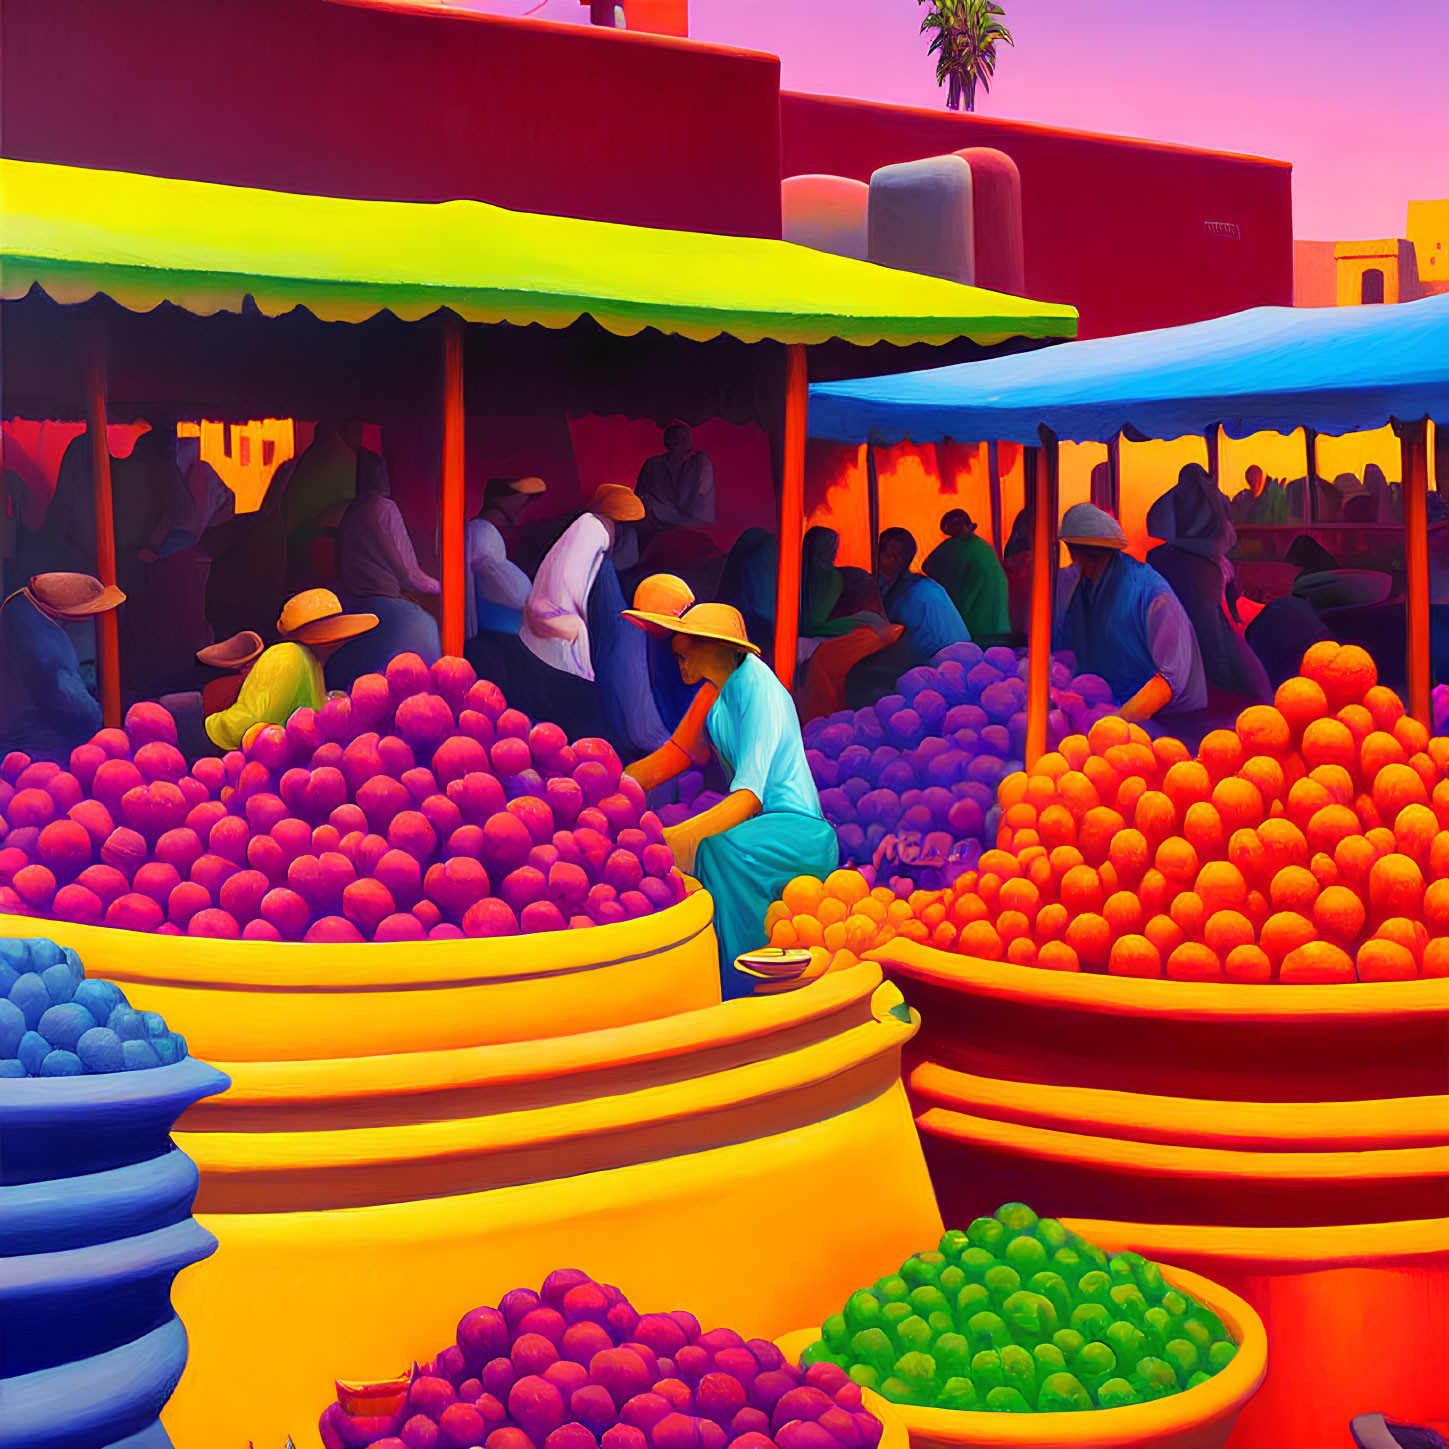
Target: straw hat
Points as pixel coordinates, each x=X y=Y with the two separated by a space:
x=719 y=623
x=315 y=617
x=615 y=501
x=663 y=594
x=234 y=653
x=1091 y=527
x=519 y=485
x=72 y=596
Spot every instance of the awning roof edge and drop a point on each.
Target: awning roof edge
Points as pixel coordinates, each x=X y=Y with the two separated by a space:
x=1270 y=369
x=142 y=240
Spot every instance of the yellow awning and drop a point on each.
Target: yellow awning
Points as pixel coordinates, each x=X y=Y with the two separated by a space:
x=144 y=240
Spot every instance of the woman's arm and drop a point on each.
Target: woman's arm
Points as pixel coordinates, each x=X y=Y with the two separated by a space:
x=683 y=839
x=666 y=763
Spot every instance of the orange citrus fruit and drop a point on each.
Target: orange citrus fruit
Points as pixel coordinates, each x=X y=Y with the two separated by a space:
x=1193 y=961
x=1267 y=774
x=1154 y=890
x=1075 y=749
x=1063 y=858
x=1053 y=765
x=1019 y=895
x=1248 y=964
x=1300 y=701
x=1330 y=825
x=1001 y=863
x=1221 y=752
x=1122 y=911
x=1415 y=827
x=1090 y=937
x=1285 y=844
x=1411 y=734
x=1188 y=911
x=1339 y=914
x=1436 y=957
x=1099 y=826
x=1012 y=790
x=1225 y=931
x=1439 y=856
x=1105 y=780
x=1081 y=889
x=1130 y=854
x=1337 y=780
x=1348 y=677
x=1396 y=886
x=980 y=938
x=1012 y=925
x=1108 y=731
x=1294 y=888
x=1221 y=886
x=1155 y=816
x=1057 y=826
x=1134 y=956
x=968 y=908
x=1380 y=960
x=1318 y=658
x=1169 y=752
x=1396 y=786
x=1177 y=860
x=1359 y=721
x=1051 y=921
x=1305 y=800
x=1378 y=750
x=1413 y=936
x=1165 y=934
x=801 y=896
x=1247 y=851
x=1316 y=962
x=1257 y=909
x=1186 y=783
x=1422 y=764
x=1325 y=871
x=1238 y=802
x=1384 y=705
x=1285 y=931
x=1057 y=956
x=1263 y=730
x=1329 y=742
x=1021 y=952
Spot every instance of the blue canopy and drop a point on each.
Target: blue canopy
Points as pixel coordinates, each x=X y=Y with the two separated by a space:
x=1272 y=369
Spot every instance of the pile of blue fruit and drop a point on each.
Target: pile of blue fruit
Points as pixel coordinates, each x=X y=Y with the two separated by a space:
x=55 y=1022
x=910 y=783
x=574 y=1366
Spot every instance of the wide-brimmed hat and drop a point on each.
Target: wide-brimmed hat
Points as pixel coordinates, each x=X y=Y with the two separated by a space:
x=72 y=596
x=1088 y=526
x=234 y=653
x=315 y=617
x=719 y=623
x=615 y=501
x=663 y=594
x=519 y=485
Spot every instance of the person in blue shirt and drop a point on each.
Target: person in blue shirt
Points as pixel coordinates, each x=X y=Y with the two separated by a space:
x=45 y=708
x=769 y=828
x=920 y=606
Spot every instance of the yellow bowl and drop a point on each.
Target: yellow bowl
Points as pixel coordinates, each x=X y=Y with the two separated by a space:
x=1200 y=1418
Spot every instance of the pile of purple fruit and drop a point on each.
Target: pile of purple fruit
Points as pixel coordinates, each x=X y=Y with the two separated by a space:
x=417 y=806
x=575 y=1367
x=910 y=783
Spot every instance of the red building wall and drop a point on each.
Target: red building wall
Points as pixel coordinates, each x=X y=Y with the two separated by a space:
x=1134 y=234
x=373 y=102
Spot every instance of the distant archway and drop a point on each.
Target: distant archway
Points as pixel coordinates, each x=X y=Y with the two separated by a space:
x=1371 y=285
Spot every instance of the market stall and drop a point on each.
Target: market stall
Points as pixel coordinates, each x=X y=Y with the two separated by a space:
x=1331 y=371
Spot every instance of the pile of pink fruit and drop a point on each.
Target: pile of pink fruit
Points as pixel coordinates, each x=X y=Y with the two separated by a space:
x=417 y=806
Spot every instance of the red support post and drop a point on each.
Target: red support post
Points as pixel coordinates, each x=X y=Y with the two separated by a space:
x=108 y=647
x=1041 y=468
x=451 y=504
x=1415 y=454
x=792 y=514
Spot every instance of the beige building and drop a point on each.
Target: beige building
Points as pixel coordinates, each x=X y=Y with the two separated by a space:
x=1389 y=269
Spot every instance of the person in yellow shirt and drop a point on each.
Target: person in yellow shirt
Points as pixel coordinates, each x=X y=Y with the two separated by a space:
x=288 y=676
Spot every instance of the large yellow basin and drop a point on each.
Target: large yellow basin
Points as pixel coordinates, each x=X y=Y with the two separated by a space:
x=752 y=1162
x=246 y=1001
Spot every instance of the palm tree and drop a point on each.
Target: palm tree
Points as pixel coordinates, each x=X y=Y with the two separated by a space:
x=964 y=37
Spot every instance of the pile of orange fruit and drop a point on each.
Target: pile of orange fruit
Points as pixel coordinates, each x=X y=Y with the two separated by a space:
x=1310 y=843
x=840 y=918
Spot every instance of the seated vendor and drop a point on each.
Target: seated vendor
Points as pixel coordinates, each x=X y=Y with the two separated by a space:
x=769 y=828
x=288 y=676
x=236 y=656
x=495 y=588
x=1125 y=624
x=45 y=708
x=919 y=605
x=966 y=566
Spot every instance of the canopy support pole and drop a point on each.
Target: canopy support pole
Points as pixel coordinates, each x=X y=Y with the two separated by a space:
x=1310 y=474
x=993 y=474
x=108 y=647
x=1415 y=455
x=872 y=503
x=451 y=503
x=1211 y=439
x=1114 y=472
x=1041 y=475
x=792 y=513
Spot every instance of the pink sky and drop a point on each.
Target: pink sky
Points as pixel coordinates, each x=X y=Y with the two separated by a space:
x=1355 y=95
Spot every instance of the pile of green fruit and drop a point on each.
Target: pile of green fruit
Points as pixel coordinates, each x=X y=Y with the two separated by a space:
x=1017 y=1315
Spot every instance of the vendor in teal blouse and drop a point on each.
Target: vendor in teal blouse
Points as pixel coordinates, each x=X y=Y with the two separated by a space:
x=769 y=828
